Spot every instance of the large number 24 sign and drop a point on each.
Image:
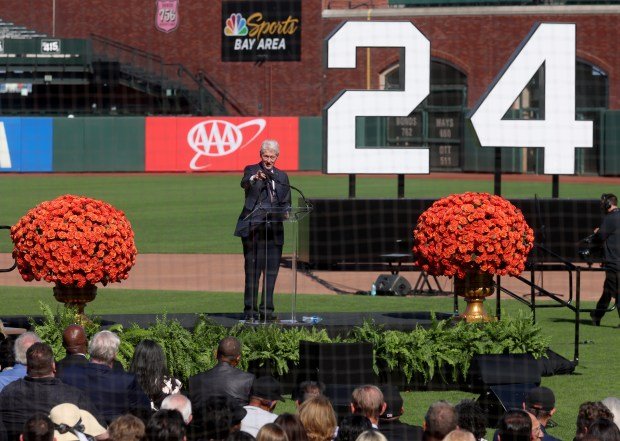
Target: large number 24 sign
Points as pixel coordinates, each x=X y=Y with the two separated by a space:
x=559 y=133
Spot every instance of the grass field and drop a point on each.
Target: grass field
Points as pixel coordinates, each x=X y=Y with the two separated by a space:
x=197 y=213
x=594 y=379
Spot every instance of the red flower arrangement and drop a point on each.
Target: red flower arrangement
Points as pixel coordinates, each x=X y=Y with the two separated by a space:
x=74 y=241
x=472 y=232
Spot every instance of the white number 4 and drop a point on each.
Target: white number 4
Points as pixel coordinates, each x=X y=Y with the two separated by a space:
x=559 y=133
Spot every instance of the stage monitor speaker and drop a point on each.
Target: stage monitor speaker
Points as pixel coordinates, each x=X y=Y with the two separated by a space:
x=498 y=399
x=493 y=370
x=335 y=363
x=392 y=285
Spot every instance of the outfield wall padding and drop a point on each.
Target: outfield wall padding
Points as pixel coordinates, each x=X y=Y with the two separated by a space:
x=310 y=143
x=99 y=144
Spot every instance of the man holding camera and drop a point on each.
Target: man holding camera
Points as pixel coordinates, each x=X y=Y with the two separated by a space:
x=609 y=234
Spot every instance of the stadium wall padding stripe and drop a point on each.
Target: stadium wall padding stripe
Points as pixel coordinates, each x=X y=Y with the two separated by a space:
x=25 y=144
x=99 y=144
x=310 y=143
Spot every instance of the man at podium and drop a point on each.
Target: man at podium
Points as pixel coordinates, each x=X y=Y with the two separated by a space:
x=267 y=199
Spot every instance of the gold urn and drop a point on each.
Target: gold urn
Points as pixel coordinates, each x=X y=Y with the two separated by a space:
x=474 y=288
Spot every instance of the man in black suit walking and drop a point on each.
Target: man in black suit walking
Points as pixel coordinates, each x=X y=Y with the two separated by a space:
x=267 y=197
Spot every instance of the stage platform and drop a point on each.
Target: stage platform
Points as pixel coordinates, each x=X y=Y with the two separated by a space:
x=336 y=323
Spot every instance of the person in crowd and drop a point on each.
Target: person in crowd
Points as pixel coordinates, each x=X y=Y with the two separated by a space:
x=613 y=404
x=318 y=418
x=460 y=435
x=351 y=426
x=166 y=425
x=471 y=417
x=271 y=432
x=266 y=187
x=604 y=430
x=368 y=400
x=515 y=425
x=292 y=425
x=266 y=391
x=38 y=392
x=540 y=402
x=76 y=346
x=240 y=436
x=389 y=421
x=150 y=367
x=127 y=428
x=440 y=419
x=537 y=433
x=225 y=378
x=38 y=428
x=221 y=417
x=181 y=403
x=589 y=412
x=22 y=343
x=609 y=234
x=72 y=423
x=371 y=435
x=308 y=389
x=7 y=352
x=113 y=392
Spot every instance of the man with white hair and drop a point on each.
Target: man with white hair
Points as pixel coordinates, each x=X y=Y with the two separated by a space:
x=113 y=392
x=267 y=190
x=22 y=343
x=181 y=403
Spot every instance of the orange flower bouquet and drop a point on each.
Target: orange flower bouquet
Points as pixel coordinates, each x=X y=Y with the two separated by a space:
x=74 y=241
x=472 y=233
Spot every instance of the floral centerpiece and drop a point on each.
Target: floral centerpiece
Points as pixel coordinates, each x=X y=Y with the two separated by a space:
x=74 y=242
x=472 y=236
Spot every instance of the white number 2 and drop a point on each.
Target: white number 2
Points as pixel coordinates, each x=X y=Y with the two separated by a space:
x=559 y=133
x=342 y=156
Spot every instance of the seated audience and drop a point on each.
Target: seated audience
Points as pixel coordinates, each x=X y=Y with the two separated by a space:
x=38 y=392
x=308 y=389
x=22 y=343
x=351 y=426
x=166 y=425
x=319 y=419
x=38 y=428
x=266 y=391
x=218 y=419
x=271 y=432
x=440 y=419
x=151 y=369
x=72 y=423
x=181 y=403
x=113 y=392
x=368 y=400
x=460 y=435
x=471 y=417
x=540 y=402
x=389 y=421
x=515 y=425
x=293 y=427
x=371 y=435
x=127 y=428
x=589 y=412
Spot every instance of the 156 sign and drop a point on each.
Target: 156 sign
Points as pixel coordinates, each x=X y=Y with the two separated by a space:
x=559 y=133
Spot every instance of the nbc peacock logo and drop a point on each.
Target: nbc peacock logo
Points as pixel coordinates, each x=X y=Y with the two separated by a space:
x=236 y=26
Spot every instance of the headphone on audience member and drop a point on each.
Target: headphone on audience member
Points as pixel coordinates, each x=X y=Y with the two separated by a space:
x=606 y=203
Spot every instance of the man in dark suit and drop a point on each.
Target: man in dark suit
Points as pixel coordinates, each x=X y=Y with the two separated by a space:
x=76 y=346
x=389 y=421
x=225 y=379
x=267 y=190
x=113 y=392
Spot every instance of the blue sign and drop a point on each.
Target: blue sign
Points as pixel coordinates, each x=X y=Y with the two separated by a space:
x=25 y=144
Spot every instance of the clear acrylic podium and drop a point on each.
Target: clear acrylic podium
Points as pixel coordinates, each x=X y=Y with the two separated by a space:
x=292 y=216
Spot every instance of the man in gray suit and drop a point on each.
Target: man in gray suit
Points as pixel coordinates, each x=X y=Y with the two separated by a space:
x=225 y=379
x=267 y=190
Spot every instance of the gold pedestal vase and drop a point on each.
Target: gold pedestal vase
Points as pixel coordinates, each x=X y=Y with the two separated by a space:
x=74 y=296
x=474 y=288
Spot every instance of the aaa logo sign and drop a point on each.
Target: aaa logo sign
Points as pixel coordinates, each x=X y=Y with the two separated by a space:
x=217 y=144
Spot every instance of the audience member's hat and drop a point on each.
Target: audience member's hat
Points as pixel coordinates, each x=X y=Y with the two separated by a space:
x=267 y=388
x=540 y=398
x=69 y=419
x=393 y=401
x=237 y=413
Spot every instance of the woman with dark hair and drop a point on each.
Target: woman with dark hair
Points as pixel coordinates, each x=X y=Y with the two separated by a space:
x=472 y=418
x=293 y=427
x=589 y=412
x=352 y=426
x=150 y=367
x=604 y=430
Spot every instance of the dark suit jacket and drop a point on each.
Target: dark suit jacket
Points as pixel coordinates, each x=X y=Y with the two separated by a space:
x=256 y=193
x=73 y=359
x=396 y=431
x=224 y=380
x=113 y=392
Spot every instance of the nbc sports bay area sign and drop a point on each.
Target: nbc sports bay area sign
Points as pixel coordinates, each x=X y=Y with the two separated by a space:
x=255 y=30
x=548 y=44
